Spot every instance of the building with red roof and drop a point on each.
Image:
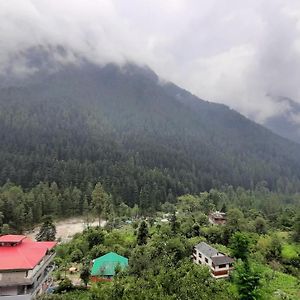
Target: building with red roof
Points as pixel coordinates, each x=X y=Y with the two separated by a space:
x=25 y=267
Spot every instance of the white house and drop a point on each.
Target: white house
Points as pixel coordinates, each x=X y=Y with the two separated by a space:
x=219 y=264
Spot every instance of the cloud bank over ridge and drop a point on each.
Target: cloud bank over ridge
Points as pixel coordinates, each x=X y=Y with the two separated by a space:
x=241 y=53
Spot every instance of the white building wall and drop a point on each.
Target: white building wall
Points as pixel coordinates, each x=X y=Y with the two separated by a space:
x=201 y=260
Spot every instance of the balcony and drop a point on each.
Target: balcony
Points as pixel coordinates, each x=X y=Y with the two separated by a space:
x=44 y=279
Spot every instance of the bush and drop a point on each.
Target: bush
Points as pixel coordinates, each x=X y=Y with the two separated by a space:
x=76 y=255
x=65 y=285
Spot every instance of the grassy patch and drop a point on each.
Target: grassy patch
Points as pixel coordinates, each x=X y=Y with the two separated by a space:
x=284 y=235
x=290 y=251
x=277 y=285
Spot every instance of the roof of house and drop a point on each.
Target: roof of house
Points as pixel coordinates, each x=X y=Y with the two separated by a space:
x=218 y=215
x=206 y=249
x=221 y=260
x=12 y=238
x=21 y=253
x=105 y=265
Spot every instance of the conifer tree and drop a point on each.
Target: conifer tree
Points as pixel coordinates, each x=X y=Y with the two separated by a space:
x=85 y=274
x=296 y=233
x=174 y=223
x=224 y=208
x=47 y=231
x=143 y=233
x=196 y=229
x=99 y=198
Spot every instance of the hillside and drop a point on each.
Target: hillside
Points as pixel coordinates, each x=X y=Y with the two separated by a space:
x=286 y=124
x=146 y=140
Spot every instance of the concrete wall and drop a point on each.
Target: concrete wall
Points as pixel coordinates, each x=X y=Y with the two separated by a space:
x=12 y=278
x=201 y=260
x=8 y=290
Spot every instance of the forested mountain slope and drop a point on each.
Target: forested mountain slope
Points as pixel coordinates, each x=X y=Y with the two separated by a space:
x=145 y=140
x=286 y=124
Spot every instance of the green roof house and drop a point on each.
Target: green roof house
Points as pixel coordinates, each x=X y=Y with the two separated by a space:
x=104 y=266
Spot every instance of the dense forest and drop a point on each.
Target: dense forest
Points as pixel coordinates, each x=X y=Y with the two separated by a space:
x=145 y=140
x=21 y=209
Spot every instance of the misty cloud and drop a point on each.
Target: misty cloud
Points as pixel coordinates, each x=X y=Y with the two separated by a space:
x=241 y=53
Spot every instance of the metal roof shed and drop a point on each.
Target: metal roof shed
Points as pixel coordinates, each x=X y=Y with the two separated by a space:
x=105 y=265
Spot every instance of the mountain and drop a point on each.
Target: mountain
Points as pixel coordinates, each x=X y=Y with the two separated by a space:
x=287 y=124
x=145 y=139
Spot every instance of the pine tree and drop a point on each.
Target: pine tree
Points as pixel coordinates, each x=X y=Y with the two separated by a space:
x=99 y=198
x=196 y=229
x=143 y=233
x=224 y=208
x=174 y=223
x=86 y=210
x=85 y=274
x=1 y=218
x=296 y=227
x=47 y=231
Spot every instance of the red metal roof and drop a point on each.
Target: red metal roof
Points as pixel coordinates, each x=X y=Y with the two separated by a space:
x=23 y=256
x=11 y=238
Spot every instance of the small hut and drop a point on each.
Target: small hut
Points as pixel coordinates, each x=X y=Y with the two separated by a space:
x=104 y=267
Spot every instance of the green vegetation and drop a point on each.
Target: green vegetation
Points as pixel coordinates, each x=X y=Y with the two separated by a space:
x=290 y=251
x=266 y=261
x=145 y=141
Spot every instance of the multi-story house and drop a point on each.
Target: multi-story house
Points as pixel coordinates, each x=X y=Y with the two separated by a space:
x=25 y=267
x=219 y=264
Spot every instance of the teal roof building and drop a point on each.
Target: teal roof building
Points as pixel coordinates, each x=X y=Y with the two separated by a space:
x=104 y=266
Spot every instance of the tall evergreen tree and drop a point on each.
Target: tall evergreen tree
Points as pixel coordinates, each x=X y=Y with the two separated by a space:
x=196 y=229
x=174 y=223
x=143 y=233
x=99 y=199
x=296 y=227
x=85 y=274
x=47 y=231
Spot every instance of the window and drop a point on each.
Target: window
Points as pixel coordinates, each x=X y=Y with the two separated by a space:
x=200 y=255
x=206 y=260
x=222 y=266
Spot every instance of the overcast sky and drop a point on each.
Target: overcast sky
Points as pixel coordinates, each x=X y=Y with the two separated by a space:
x=237 y=52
